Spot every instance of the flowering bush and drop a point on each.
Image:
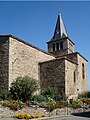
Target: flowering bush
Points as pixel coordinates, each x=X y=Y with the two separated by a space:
x=86 y=101
x=58 y=105
x=23 y=116
x=27 y=116
x=13 y=105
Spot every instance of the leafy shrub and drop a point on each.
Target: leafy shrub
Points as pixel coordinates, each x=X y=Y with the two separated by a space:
x=51 y=105
x=39 y=98
x=84 y=95
x=50 y=92
x=23 y=88
x=76 y=103
x=88 y=95
x=28 y=103
x=6 y=103
x=64 y=104
x=21 y=104
x=4 y=94
x=12 y=104
x=58 y=105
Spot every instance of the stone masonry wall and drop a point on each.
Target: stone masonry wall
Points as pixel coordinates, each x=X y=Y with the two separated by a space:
x=4 y=62
x=74 y=82
x=70 y=83
x=82 y=83
x=24 y=59
x=60 y=52
x=73 y=57
x=52 y=73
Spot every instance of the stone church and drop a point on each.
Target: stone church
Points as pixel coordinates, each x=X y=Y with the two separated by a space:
x=60 y=66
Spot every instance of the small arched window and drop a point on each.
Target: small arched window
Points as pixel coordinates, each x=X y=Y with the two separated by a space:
x=83 y=71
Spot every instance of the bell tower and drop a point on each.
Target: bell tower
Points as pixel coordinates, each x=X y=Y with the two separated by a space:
x=60 y=44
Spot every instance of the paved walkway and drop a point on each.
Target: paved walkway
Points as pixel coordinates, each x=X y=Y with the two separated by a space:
x=71 y=117
x=75 y=116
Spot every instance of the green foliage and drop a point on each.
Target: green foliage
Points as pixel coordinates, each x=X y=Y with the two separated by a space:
x=84 y=95
x=76 y=104
x=88 y=95
x=50 y=92
x=23 y=88
x=20 y=104
x=4 y=94
x=39 y=98
x=6 y=102
x=51 y=105
x=12 y=104
x=28 y=103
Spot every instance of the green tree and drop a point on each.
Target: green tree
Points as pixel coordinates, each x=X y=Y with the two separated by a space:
x=23 y=88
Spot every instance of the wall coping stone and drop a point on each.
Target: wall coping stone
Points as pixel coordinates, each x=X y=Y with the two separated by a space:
x=73 y=54
x=61 y=58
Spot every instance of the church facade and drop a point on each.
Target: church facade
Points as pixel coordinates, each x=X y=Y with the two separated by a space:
x=60 y=67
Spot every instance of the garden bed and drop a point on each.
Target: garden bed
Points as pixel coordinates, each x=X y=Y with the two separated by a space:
x=37 y=111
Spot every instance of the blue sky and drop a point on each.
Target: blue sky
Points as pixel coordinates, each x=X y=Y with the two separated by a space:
x=34 y=22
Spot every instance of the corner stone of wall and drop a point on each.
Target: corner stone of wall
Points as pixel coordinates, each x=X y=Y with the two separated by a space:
x=4 y=63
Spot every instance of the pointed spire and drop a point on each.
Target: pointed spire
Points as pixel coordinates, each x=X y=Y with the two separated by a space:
x=60 y=30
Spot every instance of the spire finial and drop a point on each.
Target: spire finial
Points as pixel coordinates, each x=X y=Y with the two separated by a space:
x=59 y=11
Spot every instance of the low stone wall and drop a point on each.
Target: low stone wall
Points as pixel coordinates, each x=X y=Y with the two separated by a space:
x=6 y=112
x=67 y=111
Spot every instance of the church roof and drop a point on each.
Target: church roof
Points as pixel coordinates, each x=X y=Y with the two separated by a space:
x=60 y=30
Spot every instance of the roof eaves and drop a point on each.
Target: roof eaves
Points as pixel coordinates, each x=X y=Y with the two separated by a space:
x=62 y=39
x=82 y=56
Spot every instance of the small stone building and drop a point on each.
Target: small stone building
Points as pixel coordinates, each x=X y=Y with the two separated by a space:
x=60 y=66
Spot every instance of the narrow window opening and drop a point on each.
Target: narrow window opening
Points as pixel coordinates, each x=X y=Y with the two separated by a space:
x=57 y=46
x=83 y=71
x=74 y=77
x=61 y=45
x=53 y=47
